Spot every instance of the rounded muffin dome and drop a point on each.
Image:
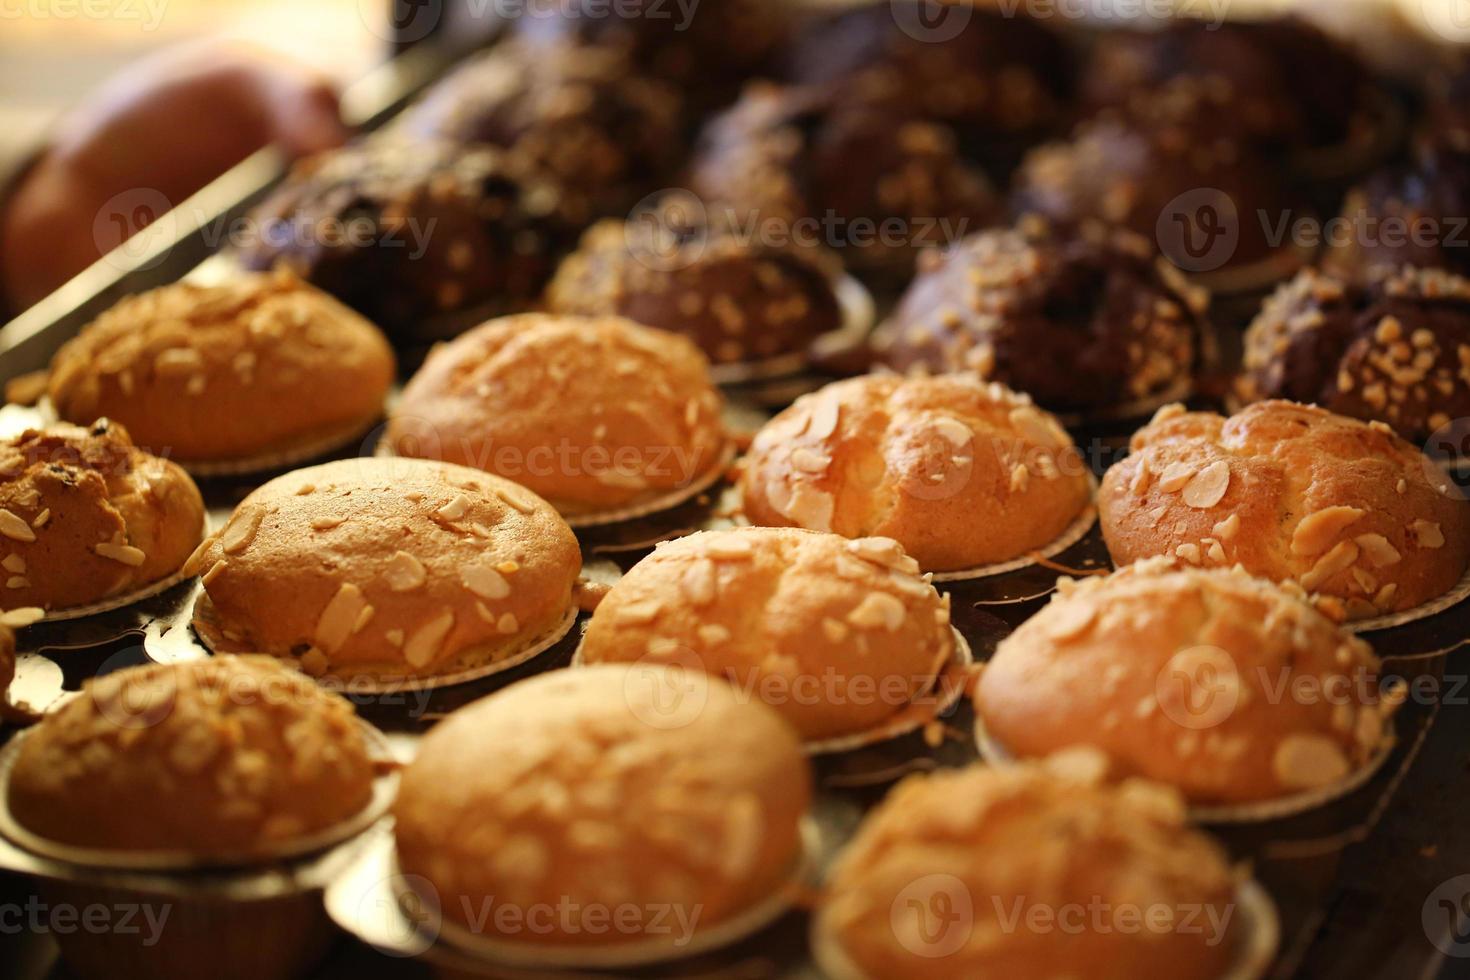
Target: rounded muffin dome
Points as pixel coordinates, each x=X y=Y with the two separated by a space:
x=836 y=635
x=603 y=788
x=1174 y=673
x=981 y=845
x=248 y=368
x=591 y=413
x=387 y=568
x=224 y=757
x=961 y=473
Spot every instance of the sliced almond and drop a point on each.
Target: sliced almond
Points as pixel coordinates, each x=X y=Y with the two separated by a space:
x=214 y=571
x=240 y=531
x=1316 y=532
x=484 y=581
x=507 y=624
x=824 y=417
x=335 y=623
x=124 y=553
x=1378 y=550
x=14 y=563
x=639 y=613
x=405 y=572
x=1427 y=534
x=1205 y=489
x=422 y=647
x=809 y=461
x=1227 y=529
x=1176 y=476
x=1308 y=762
x=729 y=546
x=517 y=499
x=878 y=609
x=953 y=431
x=455 y=509
x=14 y=527
x=1335 y=561
x=698 y=582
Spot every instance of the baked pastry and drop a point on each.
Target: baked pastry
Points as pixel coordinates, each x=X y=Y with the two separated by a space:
x=1395 y=349
x=738 y=299
x=605 y=788
x=86 y=516
x=1176 y=672
x=386 y=568
x=1284 y=82
x=932 y=883
x=422 y=238
x=581 y=114
x=959 y=472
x=227 y=757
x=1085 y=321
x=871 y=182
x=836 y=635
x=10 y=621
x=1000 y=78
x=259 y=366
x=594 y=414
x=1291 y=493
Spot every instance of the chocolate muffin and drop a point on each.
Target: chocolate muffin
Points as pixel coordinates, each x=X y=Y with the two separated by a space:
x=424 y=239
x=1084 y=321
x=1285 y=83
x=872 y=183
x=739 y=299
x=583 y=116
x=1396 y=349
x=1003 y=81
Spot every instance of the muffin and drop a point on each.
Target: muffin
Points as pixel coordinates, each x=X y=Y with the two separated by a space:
x=1395 y=349
x=1176 y=672
x=1290 y=493
x=581 y=115
x=85 y=516
x=10 y=621
x=222 y=759
x=874 y=183
x=589 y=789
x=837 y=635
x=932 y=883
x=1001 y=79
x=740 y=300
x=959 y=472
x=387 y=569
x=595 y=414
x=1080 y=322
x=262 y=366
x=422 y=238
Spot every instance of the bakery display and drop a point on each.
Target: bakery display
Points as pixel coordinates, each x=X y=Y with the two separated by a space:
x=387 y=569
x=876 y=185
x=1290 y=493
x=588 y=789
x=1000 y=77
x=960 y=472
x=1394 y=349
x=1172 y=672
x=422 y=238
x=87 y=517
x=933 y=881
x=257 y=368
x=1088 y=321
x=837 y=635
x=740 y=300
x=596 y=414
x=580 y=115
x=225 y=759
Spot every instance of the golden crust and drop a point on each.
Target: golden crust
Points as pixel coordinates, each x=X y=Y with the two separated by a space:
x=1292 y=493
x=227 y=756
x=589 y=786
x=1227 y=687
x=211 y=373
x=399 y=566
x=590 y=413
x=837 y=635
x=84 y=515
x=981 y=844
x=959 y=472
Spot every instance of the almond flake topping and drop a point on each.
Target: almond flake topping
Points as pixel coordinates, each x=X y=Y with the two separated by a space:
x=1316 y=532
x=823 y=418
x=729 y=546
x=405 y=572
x=484 y=581
x=14 y=528
x=1427 y=534
x=455 y=509
x=241 y=530
x=1176 y=476
x=423 y=646
x=879 y=609
x=1378 y=550
x=124 y=553
x=1206 y=487
x=339 y=616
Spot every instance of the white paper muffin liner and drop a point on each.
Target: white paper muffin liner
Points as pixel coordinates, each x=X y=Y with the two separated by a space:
x=385 y=788
x=858 y=316
x=308 y=449
x=368 y=902
x=1074 y=533
x=1256 y=943
x=1433 y=607
x=1259 y=811
x=373 y=683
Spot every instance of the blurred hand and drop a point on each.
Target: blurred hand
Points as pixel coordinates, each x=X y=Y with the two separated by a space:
x=159 y=130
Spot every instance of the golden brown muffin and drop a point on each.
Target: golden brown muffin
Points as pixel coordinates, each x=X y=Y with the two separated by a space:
x=1190 y=677
x=226 y=757
x=1291 y=493
x=260 y=366
x=387 y=568
x=932 y=886
x=593 y=414
x=600 y=788
x=960 y=472
x=11 y=621
x=84 y=516
x=836 y=635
